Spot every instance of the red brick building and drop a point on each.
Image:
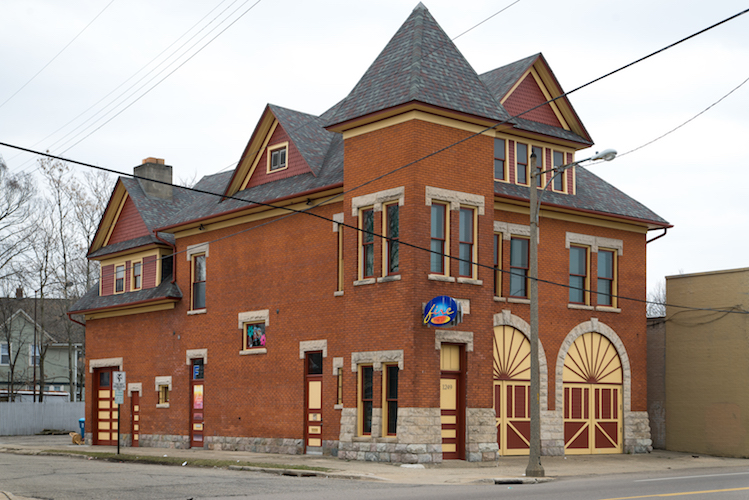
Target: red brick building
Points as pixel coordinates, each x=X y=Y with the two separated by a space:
x=266 y=312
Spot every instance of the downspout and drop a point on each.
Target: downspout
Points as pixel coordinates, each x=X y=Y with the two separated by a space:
x=75 y=320
x=665 y=230
x=174 y=255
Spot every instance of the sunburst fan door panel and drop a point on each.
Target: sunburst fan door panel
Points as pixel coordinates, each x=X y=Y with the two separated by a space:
x=592 y=397
x=512 y=372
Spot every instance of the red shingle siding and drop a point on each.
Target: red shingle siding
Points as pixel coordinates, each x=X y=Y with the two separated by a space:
x=129 y=225
x=526 y=96
x=149 y=271
x=294 y=160
x=107 y=280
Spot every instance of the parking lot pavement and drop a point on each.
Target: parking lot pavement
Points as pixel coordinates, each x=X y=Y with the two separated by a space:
x=448 y=472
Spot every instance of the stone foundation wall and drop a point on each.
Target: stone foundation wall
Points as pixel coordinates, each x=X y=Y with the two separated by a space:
x=284 y=446
x=481 y=435
x=552 y=433
x=637 y=432
x=418 y=440
x=164 y=441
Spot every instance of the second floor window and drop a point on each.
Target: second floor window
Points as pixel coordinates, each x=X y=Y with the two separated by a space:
x=367 y=243
x=392 y=231
x=519 y=267
x=521 y=160
x=497 y=264
x=578 y=275
x=466 y=242
x=499 y=160
x=137 y=275
x=34 y=355
x=606 y=277
x=438 y=238
x=558 y=184
x=4 y=354
x=198 y=282
x=539 y=152
x=119 y=279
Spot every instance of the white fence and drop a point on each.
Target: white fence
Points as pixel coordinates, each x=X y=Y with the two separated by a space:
x=26 y=419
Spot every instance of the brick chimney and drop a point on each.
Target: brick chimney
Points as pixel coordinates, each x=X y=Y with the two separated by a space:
x=19 y=292
x=154 y=169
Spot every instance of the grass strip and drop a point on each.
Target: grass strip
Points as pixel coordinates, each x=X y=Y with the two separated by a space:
x=194 y=462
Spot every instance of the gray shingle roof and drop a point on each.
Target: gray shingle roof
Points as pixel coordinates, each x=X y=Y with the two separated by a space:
x=499 y=81
x=92 y=301
x=420 y=63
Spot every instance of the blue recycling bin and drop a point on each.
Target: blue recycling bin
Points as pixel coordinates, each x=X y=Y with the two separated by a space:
x=82 y=425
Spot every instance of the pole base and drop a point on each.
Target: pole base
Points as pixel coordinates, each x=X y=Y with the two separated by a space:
x=535 y=470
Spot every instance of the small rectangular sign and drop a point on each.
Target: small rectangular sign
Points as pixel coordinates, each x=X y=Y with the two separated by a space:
x=118 y=381
x=119 y=397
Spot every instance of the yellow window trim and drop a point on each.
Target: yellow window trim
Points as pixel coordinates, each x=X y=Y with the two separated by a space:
x=276 y=147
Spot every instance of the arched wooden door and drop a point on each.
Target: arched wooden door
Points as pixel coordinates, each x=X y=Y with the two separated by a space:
x=512 y=375
x=592 y=383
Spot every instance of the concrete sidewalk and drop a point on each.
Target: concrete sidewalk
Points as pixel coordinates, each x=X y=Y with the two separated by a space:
x=506 y=469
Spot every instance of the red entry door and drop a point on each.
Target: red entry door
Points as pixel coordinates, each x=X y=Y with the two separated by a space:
x=197 y=387
x=313 y=413
x=105 y=411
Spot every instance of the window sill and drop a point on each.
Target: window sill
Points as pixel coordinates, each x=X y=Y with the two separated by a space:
x=338 y=407
x=441 y=277
x=386 y=279
x=338 y=293
x=257 y=350
x=582 y=307
x=470 y=281
x=500 y=299
x=197 y=311
x=377 y=439
x=162 y=405
x=518 y=300
x=367 y=281
x=608 y=309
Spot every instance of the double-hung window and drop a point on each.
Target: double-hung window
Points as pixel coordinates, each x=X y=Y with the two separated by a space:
x=392 y=231
x=606 y=278
x=438 y=238
x=198 y=282
x=500 y=173
x=521 y=163
x=137 y=276
x=519 y=262
x=539 y=152
x=34 y=355
x=4 y=354
x=558 y=183
x=497 y=264
x=366 y=399
x=390 y=400
x=119 y=279
x=366 y=236
x=578 y=293
x=466 y=242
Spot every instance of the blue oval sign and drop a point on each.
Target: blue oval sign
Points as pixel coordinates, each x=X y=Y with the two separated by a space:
x=440 y=311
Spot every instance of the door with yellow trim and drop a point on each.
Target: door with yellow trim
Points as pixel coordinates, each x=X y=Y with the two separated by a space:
x=452 y=401
x=135 y=418
x=104 y=427
x=592 y=382
x=313 y=413
x=512 y=368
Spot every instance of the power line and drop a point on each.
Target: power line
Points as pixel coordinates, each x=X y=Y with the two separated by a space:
x=57 y=55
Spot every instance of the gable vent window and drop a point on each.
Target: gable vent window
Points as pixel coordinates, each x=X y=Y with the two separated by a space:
x=277 y=157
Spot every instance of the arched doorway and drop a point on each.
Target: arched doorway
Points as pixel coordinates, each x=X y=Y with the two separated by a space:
x=512 y=372
x=592 y=382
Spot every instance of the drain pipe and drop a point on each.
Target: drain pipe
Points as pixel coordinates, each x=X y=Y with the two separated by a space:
x=665 y=230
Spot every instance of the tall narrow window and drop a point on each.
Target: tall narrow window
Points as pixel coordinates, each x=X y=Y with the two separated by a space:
x=137 y=275
x=34 y=355
x=365 y=400
x=339 y=285
x=499 y=160
x=163 y=394
x=119 y=279
x=437 y=258
x=390 y=417
x=606 y=277
x=497 y=265
x=519 y=267
x=198 y=282
x=578 y=275
x=466 y=242
x=392 y=231
x=521 y=160
x=558 y=184
x=539 y=152
x=339 y=377
x=4 y=354
x=367 y=243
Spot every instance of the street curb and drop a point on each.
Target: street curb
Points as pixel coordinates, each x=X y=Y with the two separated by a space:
x=305 y=473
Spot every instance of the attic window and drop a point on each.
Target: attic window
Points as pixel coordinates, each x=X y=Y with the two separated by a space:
x=277 y=155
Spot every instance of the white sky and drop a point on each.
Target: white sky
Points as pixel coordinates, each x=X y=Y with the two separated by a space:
x=307 y=55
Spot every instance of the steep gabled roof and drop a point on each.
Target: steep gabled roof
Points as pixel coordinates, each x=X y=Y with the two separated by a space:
x=534 y=71
x=419 y=64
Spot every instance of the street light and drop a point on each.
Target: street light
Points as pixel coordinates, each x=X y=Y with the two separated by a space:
x=535 y=469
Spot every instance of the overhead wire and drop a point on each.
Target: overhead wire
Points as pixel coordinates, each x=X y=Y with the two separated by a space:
x=328 y=200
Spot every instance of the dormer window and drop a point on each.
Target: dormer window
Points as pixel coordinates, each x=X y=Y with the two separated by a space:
x=277 y=156
x=119 y=280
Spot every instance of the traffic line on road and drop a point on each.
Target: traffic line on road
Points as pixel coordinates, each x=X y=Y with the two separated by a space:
x=692 y=477
x=679 y=494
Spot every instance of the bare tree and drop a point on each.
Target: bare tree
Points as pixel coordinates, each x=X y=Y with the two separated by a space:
x=16 y=194
x=12 y=334
x=656 y=307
